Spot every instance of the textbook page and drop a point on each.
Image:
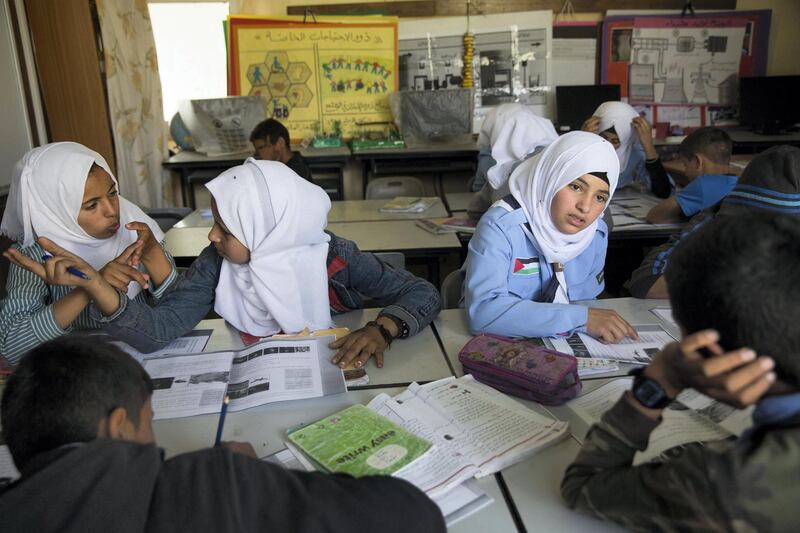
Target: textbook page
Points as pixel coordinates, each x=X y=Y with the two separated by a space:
x=652 y=338
x=445 y=466
x=193 y=342
x=693 y=417
x=494 y=430
x=278 y=370
x=188 y=385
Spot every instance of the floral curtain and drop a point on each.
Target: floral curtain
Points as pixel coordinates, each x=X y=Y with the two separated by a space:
x=134 y=99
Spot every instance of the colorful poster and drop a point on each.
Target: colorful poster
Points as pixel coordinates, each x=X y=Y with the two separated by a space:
x=319 y=75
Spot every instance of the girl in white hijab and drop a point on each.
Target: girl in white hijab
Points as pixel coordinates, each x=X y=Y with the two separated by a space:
x=65 y=192
x=510 y=134
x=543 y=246
x=614 y=122
x=279 y=281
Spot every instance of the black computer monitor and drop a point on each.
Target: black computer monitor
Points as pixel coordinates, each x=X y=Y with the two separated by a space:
x=769 y=104
x=576 y=103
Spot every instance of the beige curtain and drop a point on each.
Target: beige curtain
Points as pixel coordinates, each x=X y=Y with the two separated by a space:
x=134 y=99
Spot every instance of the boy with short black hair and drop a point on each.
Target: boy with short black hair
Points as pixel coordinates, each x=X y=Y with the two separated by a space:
x=77 y=417
x=271 y=142
x=734 y=292
x=770 y=182
x=706 y=154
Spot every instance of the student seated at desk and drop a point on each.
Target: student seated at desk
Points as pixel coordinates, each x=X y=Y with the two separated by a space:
x=271 y=142
x=621 y=125
x=734 y=293
x=66 y=193
x=272 y=268
x=770 y=182
x=544 y=245
x=509 y=134
x=77 y=419
x=705 y=154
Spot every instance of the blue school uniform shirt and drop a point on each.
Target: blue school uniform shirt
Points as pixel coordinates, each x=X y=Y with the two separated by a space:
x=704 y=191
x=635 y=168
x=506 y=275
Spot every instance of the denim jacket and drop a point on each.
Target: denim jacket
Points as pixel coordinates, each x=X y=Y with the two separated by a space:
x=351 y=274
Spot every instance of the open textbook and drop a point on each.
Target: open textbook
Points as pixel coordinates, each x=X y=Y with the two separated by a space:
x=692 y=417
x=651 y=339
x=456 y=505
x=265 y=372
x=475 y=429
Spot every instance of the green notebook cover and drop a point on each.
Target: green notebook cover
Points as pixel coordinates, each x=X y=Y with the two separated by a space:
x=359 y=442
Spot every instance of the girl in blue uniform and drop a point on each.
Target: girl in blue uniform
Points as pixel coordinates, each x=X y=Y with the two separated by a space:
x=544 y=246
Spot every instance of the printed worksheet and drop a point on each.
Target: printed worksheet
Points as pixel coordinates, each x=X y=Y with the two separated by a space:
x=652 y=337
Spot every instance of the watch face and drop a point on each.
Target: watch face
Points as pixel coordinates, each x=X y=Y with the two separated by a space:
x=650 y=394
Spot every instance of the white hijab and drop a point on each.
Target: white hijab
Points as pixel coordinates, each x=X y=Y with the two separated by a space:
x=46 y=196
x=514 y=132
x=619 y=115
x=535 y=183
x=280 y=218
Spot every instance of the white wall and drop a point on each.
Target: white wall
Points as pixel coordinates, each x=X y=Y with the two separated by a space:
x=15 y=137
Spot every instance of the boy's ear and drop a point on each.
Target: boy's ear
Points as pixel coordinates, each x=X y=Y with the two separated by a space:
x=115 y=425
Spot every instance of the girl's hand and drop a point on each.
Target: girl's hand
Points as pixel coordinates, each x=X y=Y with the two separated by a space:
x=146 y=237
x=359 y=345
x=608 y=326
x=120 y=272
x=55 y=270
x=644 y=131
x=592 y=125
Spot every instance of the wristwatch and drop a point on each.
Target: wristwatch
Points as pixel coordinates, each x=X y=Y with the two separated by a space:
x=648 y=392
x=402 y=328
x=383 y=331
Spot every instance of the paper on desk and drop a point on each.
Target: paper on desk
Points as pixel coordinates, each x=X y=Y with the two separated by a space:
x=664 y=313
x=589 y=365
x=693 y=417
x=652 y=338
x=193 y=342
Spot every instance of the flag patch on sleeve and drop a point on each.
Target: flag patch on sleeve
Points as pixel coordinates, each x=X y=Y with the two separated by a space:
x=526 y=266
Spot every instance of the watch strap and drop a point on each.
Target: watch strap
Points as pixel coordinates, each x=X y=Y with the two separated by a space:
x=383 y=331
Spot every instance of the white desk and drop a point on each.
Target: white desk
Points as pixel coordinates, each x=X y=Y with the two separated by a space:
x=369 y=210
x=394 y=236
x=458 y=201
x=451 y=325
x=418 y=358
x=376 y=236
x=341 y=211
x=534 y=485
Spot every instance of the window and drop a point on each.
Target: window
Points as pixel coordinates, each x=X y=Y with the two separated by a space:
x=190 y=44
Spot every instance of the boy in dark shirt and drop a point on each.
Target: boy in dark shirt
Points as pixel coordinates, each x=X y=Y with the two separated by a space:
x=77 y=418
x=271 y=142
x=734 y=292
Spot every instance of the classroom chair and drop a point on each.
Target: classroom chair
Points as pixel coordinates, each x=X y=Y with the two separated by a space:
x=452 y=290
x=390 y=187
x=166 y=217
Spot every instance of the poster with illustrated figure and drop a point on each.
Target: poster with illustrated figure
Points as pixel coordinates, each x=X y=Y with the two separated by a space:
x=684 y=61
x=315 y=75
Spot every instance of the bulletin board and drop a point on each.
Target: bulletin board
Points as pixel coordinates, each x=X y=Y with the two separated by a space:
x=317 y=74
x=624 y=59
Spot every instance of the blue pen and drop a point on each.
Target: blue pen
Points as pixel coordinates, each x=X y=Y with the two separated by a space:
x=221 y=424
x=72 y=270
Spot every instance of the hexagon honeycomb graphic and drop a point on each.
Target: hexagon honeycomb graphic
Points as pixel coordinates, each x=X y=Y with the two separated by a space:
x=277 y=61
x=299 y=95
x=260 y=90
x=298 y=72
x=278 y=84
x=257 y=74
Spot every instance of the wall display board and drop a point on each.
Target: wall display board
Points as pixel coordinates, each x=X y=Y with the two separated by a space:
x=314 y=76
x=510 y=60
x=685 y=70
